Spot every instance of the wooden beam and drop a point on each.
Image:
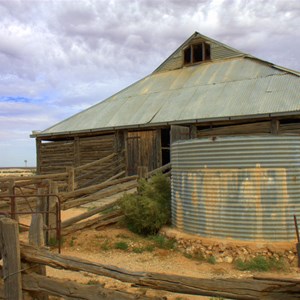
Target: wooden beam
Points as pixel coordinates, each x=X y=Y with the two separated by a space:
x=71 y=178
x=10 y=251
x=275 y=124
x=73 y=290
x=160 y=169
x=232 y=288
x=36 y=238
x=52 y=200
x=102 y=220
x=76 y=152
x=110 y=191
x=94 y=163
x=92 y=189
x=87 y=214
x=38 y=143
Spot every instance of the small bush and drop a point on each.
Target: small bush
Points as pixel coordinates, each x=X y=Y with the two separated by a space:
x=211 y=260
x=72 y=241
x=162 y=242
x=105 y=246
x=138 y=249
x=121 y=246
x=146 y=211
x=150 y=248
x=260 y=264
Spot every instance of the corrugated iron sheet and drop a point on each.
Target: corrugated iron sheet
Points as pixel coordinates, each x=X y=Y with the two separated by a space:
x=221 y=89
x=245 y=188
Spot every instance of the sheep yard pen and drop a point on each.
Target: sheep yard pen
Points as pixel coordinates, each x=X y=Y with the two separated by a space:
x=44 y=197
x=20 y=261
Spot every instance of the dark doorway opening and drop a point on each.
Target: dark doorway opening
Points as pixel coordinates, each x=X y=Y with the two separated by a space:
x=165 y=145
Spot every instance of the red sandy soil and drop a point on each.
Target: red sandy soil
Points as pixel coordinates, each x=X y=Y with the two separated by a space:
x=99 y=246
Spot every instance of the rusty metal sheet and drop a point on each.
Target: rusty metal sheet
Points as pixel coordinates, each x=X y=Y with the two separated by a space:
x=244 y=188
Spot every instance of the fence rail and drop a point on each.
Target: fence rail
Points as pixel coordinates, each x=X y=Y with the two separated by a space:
x=17 y=278
x=74 y=177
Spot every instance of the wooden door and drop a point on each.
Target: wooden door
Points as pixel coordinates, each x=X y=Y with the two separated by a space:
x=133 y=154
x=142 y=151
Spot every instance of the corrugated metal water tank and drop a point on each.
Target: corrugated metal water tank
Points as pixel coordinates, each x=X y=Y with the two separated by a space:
x=245 y=188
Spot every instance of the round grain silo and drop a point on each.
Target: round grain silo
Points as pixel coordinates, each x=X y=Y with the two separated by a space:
x=244 y=188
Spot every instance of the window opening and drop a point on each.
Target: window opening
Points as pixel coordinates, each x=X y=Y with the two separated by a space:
x=196 y=53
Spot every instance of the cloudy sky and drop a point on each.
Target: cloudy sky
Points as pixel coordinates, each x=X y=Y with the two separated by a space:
x=61 y=56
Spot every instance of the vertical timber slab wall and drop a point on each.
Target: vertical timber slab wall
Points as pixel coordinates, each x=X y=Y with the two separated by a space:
x=243 y=187
x=55 y=156
x=143 y=149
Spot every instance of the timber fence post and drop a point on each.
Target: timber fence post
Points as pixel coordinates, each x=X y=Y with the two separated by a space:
x=10 y=250
x=53 y=189
x=71 y=178
x=13 y=204
x=36 y=238
x=41 y=207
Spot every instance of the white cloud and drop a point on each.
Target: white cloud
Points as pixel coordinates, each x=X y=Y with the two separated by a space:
x=66 y=55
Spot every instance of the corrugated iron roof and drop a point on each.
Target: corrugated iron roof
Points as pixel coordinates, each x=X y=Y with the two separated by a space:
x=235 y=87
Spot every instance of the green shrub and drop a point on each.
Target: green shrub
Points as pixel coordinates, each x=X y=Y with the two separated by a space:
x=146 y=211
x=260 y=264
x=211 y=260
x=105 y=246
x=121 y=246
x=162 y=242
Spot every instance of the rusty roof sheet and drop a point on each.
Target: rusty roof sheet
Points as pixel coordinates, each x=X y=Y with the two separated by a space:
x=235 y=87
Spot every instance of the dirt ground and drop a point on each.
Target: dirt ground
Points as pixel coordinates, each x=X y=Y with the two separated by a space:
x=140 y=255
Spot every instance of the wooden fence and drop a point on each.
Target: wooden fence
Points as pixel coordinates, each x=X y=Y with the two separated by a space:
x=109 y=167
x=45 y=204
x=21 y=275
x=24 y=264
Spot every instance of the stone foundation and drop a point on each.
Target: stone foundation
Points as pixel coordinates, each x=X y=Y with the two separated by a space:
x=228 y=250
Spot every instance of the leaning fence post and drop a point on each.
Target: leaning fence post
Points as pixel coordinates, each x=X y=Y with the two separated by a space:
x=10 y=250
x=71 y=178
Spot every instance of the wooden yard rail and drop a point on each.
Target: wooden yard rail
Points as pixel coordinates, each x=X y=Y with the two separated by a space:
x=99 y=170
x=111 y=166
x=244 y=288
x=161 y=169
x=21 y=274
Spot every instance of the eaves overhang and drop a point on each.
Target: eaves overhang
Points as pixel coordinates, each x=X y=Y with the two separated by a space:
x=163 y=124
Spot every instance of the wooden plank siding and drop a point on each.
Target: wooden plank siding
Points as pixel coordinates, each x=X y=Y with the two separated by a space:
x=55 y=156
x=143 y=149
x=94 y=148
x=251 y=128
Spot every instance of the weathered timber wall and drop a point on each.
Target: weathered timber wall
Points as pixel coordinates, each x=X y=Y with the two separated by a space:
x=252 y=128
x=55 y=156
x=143 y=149
x=94 y=148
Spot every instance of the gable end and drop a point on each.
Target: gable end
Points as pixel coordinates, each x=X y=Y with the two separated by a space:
x=217 y=51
